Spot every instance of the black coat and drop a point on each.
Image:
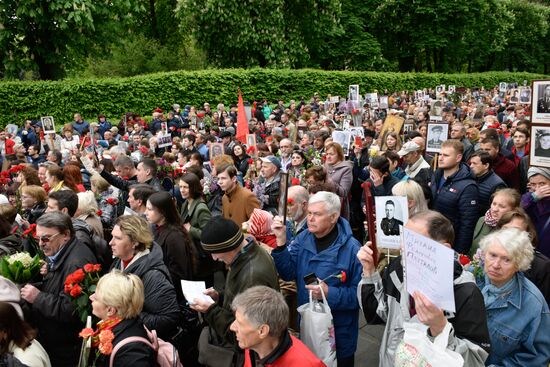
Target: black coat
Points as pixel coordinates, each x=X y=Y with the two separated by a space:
x=53 y=312
x=10 y=245
x=160 y=309
x=135 y=354
x=36 y=212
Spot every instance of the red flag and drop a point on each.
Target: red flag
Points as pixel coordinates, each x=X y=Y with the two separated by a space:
x=242 y=123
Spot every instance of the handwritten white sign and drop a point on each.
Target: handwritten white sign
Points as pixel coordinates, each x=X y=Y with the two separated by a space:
x=429 y=269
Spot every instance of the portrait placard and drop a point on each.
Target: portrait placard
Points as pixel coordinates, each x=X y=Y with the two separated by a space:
x=540 y=150
x=525 y=95
x=216 y=149
x=392 y=124
x=357 y=131
x=384 y=102
x=514 y=96
x=343 y=138
x=436 y=109
x=502 y=87
x=48 y=124
x=250 y=140
x=164 y=140
x=372 y=100
x=354 y=93
x=429 y=269
x=540 y=104
x=451 y=89
x=391 y=214
x=437 y=134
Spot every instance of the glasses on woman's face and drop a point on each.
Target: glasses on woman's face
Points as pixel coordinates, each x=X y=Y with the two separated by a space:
x=46 y=238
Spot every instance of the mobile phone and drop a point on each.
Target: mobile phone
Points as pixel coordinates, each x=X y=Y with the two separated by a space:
x=311 y=278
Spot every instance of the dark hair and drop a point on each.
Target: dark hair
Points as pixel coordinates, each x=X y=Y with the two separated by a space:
x=190 y=137
x=439 y=227
x=319 y=173
x=57 y=154
x=484 y=157
x=380 y=163
x=164 y=203
x=521 y=214
x=31 y=176
x=195 y=188
x=141 y=192
x=197 y=171
x=150 y=164
x=301 y=154
x=15 y=328
x=198 y=157
x=65 y=199
x=56 y=171
x=227 y=167
x=108 y=165
x=391 y=155
x=494 y=142
x=523 y=131
x=5 y=225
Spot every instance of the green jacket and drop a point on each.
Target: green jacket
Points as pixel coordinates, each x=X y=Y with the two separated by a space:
x=252 y=266
x=197 y=215
x=481 y=230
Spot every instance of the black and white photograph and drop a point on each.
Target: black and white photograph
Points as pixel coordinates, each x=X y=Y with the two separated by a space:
x=354 y=93
x=439 y=90
x=357 y=131
x=372 y=99
x=540 y=151
x=391 y=213
x=343 y=138
x=451 y=89
x=525 y=95
x=407 y=127
x=346 y=124
x=250 y=140
x=216 y=149
x=164 y=140
x=514 y=96
x=436 y=108
x=334 y=99
x=419 y=95
x=502 y=86
x=540 y=104
x=384 y=102
x=48 y=124
x=437 y=134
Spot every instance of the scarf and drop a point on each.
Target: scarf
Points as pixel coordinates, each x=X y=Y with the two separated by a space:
x=492 y=293
x=490 y=220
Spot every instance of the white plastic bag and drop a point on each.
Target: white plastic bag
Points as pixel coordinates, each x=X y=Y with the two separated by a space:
x=417 y=349
x=317 y=329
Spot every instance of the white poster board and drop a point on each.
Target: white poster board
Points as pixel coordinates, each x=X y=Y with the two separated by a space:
x=391 y=213
x=343 y=138
x=164 y=140
x=429 y=268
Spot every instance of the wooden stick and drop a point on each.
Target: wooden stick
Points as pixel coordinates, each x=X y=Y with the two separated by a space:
x=371 y=223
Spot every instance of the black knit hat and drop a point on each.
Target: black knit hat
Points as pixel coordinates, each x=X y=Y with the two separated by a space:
x=221 y=235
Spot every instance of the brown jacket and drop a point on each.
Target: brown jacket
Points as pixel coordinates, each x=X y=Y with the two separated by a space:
x=239 y=204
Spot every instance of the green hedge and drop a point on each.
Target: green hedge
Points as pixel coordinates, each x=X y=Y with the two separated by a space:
x=21 y=100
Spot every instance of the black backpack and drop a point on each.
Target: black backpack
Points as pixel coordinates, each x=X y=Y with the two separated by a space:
x=98 y=245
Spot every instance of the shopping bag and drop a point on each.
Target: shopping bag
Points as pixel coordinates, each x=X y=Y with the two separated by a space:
x=317 y=329
x=417 y=350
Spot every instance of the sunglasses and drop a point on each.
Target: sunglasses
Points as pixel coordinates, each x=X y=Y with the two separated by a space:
x=46 y=238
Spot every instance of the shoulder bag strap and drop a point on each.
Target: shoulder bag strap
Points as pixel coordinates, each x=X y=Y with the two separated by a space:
x=125 y=341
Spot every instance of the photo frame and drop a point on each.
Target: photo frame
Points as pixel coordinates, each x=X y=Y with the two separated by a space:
x=216 y=149
x=357 y=131
x=436 y=135
x=164 y=140
x=391 y=214
x=407 y=127
x=540 y=102
x=451 y=89
x=372 y=100
x=525 y=95
x=384 y=102
x=393 y=123
x=250 y=140
x=283 y=196
x=334 y=99
x=346 y=124
x=48 y=124
x=436 y=110
x=439 y=90
x=514 y=96
x=540 y=149
x=354 y=93
x=344 y=139
x=502 y=87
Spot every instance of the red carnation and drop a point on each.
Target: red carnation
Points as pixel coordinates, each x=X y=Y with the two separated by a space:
x=464 y=260
x=343 y=276
x=99 y=212
x=78 y=275
x=200 y=115
x=263 y=136
x=88 y=268
x=295 y=181
x=250 y=160
x=97 y=267
x=76 y=291
x=5 y=174
x=112 y=201
x=290 y=201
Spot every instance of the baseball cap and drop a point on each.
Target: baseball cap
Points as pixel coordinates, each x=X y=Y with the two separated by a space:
x=407 y=148
x=273 y=160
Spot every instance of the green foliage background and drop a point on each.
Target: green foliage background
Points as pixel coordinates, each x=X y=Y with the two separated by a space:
x=142 y=94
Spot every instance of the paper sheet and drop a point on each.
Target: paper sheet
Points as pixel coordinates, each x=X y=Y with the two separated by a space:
x=429 y=268
x=192 y=290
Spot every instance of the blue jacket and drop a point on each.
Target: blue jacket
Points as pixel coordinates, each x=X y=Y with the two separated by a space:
x=519 y=326
x=488 y=184
x=457 y=199
x=81 y=127
x=301 y=258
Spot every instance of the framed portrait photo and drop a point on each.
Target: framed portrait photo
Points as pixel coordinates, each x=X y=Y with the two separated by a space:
x=216 y=149
x=164 y=140
x=437 y=134
x=250 y=140
x=540 y=103
x=48 y=124
x=391 y=213
x=540 y=149
x=354 y=93
x=343 y=138
x=525 y=95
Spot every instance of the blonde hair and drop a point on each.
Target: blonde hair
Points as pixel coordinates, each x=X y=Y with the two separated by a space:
x=413 y=191
x=99 y=183
x=137 y=229
x=87 y=204
x=122 y=291
x=36 y=192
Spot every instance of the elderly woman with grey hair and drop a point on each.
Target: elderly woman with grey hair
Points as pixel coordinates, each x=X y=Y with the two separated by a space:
x=517 y=314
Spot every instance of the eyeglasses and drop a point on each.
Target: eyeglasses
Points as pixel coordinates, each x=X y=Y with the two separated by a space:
x=46 y=238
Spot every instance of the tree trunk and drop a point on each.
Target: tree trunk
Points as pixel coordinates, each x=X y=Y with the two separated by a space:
x=153 y=15
x=406 y=63
x=429 y=67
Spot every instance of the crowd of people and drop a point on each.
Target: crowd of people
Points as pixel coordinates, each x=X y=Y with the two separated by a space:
x=205 y=205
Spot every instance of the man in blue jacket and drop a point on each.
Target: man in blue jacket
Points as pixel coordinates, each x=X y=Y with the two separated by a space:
x=455 y=193
x=326 y=248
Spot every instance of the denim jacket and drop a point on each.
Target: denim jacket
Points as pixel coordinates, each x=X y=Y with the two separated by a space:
x=519 y=325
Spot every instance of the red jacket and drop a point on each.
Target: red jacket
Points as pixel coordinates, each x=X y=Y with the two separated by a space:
x=507 y=170
x=291 y=352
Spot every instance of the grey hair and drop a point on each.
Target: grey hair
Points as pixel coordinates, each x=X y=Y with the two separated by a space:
x=58 y=220
x=87 y=204
x=332 y=201
x=413 y=191
x=262 y=305
x=123 y=161
x=515 y=242
x=299 y=192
